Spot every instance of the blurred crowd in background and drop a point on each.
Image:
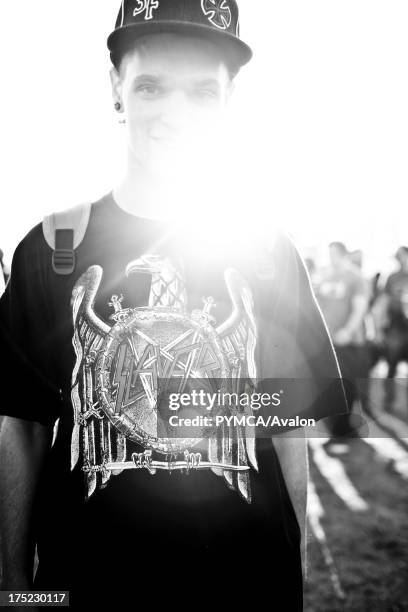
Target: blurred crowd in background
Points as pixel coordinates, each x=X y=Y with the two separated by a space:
x=368 y=322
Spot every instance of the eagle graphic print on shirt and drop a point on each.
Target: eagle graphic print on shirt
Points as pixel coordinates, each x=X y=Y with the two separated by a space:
x=120 y=363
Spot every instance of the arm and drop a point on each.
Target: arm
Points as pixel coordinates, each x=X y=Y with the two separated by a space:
x=294 y=344
x=291 y=449
x=23 y=448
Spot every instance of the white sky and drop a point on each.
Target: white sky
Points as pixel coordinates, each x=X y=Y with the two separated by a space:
x=322 y=108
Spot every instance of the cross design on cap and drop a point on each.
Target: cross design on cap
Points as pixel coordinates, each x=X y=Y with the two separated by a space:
x=218 y=13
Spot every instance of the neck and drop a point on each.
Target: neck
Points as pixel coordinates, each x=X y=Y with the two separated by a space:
x=146 y=194
x=139 y=196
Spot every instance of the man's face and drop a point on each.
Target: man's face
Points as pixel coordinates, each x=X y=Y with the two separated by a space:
x=173 y=90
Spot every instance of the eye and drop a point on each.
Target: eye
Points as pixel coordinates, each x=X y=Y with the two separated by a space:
x=206 y=95
x=149 y=90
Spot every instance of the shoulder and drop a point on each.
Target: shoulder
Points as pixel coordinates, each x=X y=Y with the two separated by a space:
x=289 y=257
x=282 y=241
x=74 y=218
x=273 y=255
x=282 y=247
x=284 y=276
x=32 y=243
x=27 y=264
x=38 y=243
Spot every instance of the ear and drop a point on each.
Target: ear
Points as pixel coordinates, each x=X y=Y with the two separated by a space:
x=116 y=83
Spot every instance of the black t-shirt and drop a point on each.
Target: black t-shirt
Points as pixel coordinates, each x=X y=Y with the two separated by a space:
x=73 y=345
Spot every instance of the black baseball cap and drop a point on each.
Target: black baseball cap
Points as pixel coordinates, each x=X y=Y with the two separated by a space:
x=216 y=20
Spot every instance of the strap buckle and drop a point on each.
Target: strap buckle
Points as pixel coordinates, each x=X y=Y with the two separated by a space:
x=63 y=257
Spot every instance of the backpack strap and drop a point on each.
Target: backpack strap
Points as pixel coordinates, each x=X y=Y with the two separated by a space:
x=64 y=232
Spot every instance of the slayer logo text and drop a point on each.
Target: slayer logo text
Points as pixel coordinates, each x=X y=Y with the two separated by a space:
x=218 y=13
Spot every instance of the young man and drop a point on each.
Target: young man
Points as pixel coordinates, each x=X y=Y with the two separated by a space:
x=344 y=296
x=110 y=504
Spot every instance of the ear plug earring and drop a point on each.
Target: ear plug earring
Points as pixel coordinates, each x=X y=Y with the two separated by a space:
x=118 y=106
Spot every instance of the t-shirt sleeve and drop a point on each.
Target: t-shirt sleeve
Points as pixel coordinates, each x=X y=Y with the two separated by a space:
x=295 y=351
x=29 y=390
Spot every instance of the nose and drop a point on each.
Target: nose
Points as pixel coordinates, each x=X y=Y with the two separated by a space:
x=176 y=111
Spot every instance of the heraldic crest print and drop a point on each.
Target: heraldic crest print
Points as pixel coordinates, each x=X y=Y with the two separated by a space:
x=119 y=366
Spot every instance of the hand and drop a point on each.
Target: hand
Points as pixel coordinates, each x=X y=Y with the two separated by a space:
x=342 y=337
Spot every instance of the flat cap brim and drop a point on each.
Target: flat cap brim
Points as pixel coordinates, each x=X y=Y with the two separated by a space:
x=236 y=50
